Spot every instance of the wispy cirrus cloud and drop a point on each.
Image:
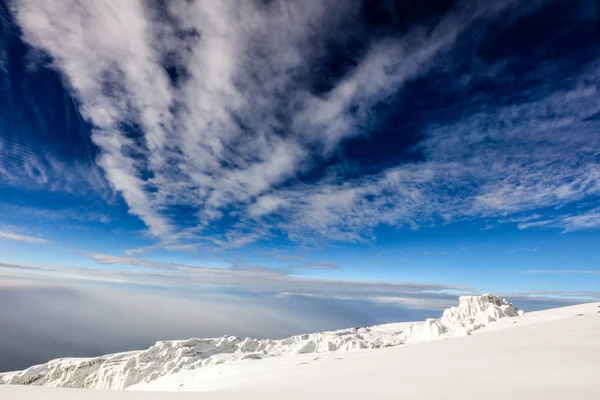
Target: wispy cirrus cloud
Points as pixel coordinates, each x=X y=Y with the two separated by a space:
x=29 y=166
x=527 y=249
x=514 y=160
x=201 y=106
x=108 y=259
x=22 y=238
x=565 y=271
x=569 y=222
x=74 y=214
x=189 y=247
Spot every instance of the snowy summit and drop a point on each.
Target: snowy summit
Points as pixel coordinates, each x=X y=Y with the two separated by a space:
x=122 y=370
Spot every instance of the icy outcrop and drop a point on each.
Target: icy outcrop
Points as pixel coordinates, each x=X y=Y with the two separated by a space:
x=118 y=371
x=472 y=313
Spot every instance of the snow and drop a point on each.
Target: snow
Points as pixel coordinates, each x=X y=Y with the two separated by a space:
x=550 y=354
x=122 y=370
x=472 y=313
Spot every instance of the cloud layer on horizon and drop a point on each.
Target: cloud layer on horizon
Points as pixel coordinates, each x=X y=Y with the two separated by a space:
x=248 y=279
x=283 y=282
x=50 y=320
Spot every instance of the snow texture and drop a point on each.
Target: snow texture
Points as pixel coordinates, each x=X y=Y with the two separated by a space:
x=121 y=370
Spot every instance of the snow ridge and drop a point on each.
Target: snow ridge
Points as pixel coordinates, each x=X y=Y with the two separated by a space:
x=121 y=370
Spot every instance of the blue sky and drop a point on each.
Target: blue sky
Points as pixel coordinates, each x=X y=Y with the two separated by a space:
x=384 y=152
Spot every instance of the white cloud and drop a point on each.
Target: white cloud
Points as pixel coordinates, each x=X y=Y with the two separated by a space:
x=568 y=221
x=572 y=296
x=585 y=220
x=74 y=214
x=22 y=238
x=565 y=271
x=187 y=247
x=230 y=136
x=107 y=259
x=28 y=166
x=247 y=278
x=234 y=71
x=509 y=161
x=318 y=265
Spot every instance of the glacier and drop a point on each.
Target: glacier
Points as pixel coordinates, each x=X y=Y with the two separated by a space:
x=121 y=370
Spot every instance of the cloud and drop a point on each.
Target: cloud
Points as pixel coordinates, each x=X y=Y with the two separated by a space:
x=73 y=214
x=22 y=238
x=240 y=277
x=320 y=265
x=199 y=106
x=554 y=298
x=107 y=259
x=565 y=271
x=29 y=166
x=286 y=270
x=533 y=249
x=513 y=160
x=413 y=303
x=584 y=220
x=189 y=247
x=230 y=71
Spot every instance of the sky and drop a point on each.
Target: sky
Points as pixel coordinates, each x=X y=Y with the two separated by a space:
x=275 y=167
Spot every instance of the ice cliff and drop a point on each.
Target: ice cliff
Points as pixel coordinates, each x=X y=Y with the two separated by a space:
x=118 y=371
x=472 y=313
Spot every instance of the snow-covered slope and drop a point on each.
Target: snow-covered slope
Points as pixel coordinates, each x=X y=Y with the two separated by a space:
x=551 y=355
x=121 y=370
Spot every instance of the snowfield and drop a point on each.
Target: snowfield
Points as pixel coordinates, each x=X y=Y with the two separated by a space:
x=551 y=354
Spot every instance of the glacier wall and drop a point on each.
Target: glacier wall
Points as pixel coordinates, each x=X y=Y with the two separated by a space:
x=121 y=370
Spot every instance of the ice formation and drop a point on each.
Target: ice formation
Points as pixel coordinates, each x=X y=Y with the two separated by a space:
x=121 y=370
x=472 y=313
